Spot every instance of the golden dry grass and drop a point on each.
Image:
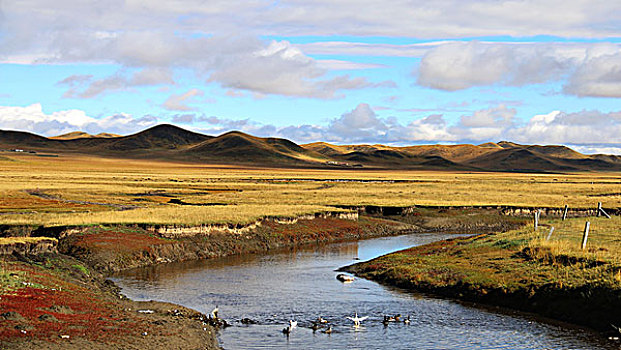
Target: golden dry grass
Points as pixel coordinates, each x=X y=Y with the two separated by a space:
x=254 y=192
x=603 y=243
x=15 y=240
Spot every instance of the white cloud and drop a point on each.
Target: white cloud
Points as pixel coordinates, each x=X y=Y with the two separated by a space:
x=580 y=128
x=598 y=76
x=368 y=49
x=179 y=102
x=160 y=37
x=461 y=65
x=33 y=119
x=281 y=68
x=589 y=69
x=85 y=86
x=586 y=131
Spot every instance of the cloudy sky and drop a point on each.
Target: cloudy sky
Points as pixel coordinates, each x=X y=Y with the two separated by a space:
x=402 y=72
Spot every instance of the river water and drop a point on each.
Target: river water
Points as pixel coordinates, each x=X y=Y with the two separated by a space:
x=301 y=285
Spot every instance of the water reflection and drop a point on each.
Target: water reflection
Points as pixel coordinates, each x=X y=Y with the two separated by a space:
x=301 y=285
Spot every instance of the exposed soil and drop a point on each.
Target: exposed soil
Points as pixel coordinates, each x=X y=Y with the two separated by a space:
x=110 y=249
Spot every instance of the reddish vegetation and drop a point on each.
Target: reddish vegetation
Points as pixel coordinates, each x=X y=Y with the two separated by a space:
x=75 y=310
x=122 y=240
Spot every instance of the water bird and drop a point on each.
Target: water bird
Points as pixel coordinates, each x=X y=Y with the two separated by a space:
x=328 y=331
x=248 y=321
x=321 y=320
x=344 y=278
x=407 y=320
x=357 y=319
x=293 y=324
x=389 y=319
x=286 y=330
x=214 y=313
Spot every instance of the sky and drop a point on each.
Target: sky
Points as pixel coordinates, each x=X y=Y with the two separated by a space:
x=403 y=72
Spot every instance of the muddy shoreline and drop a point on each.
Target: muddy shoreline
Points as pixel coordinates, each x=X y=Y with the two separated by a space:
x=102 y=250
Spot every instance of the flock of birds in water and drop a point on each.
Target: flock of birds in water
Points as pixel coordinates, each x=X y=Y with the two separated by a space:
x=319 y=324
x=323 y=324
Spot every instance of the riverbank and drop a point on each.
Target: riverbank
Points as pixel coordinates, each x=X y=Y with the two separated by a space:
x=519 y=269
x=38 y=289
x=53 y=301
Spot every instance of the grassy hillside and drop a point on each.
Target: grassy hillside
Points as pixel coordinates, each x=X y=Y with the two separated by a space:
x=171 y=143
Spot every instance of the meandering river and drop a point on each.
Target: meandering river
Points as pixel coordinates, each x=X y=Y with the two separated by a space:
x=301 y=284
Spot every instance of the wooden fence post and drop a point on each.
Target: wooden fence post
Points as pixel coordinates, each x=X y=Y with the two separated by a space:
x=585 y=235
x=599 y=208
x=536 y=219
x=565 y=212
x=550 y=234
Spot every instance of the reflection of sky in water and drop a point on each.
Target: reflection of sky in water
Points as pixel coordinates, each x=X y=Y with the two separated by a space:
x=301 y=284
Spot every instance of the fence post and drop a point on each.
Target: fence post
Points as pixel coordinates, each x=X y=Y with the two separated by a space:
x=585 y=235
x=565 y=212
x=599 y=208
x=550 y=234
x=536 y=219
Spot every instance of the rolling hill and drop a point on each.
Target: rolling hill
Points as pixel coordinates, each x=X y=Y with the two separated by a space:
x=169 y=142
x=83 y=135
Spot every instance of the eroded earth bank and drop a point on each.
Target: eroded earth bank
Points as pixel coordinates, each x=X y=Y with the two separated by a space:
x=55 y=294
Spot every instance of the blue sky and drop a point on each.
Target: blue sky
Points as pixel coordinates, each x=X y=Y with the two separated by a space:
x=401 y=73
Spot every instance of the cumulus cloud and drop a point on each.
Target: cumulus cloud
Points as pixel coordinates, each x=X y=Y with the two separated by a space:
x=598 y=76
x=587 y=69
x=361 y=123
x=281 y=68
x=587 y=131
x=461 y=65
x=33 y=119
x=584 y=127
x=156 y=38
x=149 y=51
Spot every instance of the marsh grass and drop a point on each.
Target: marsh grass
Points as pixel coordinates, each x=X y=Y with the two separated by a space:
x=241 y=214
x=515 y=260
x=255 y=192
x=18 y=240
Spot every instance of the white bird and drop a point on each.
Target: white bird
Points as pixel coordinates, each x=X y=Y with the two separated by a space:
x=292 y=324
x=357 y=319
x=214 y=313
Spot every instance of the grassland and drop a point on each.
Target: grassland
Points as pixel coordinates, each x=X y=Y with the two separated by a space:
x=520 y=269
x=77 y=190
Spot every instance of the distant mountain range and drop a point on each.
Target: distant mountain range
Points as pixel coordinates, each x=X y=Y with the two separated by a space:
x=169 y=142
